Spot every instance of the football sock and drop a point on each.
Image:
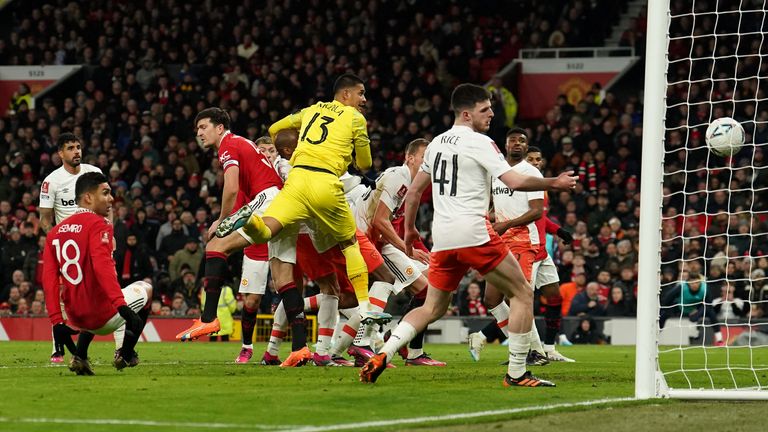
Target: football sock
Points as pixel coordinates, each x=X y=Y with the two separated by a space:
x=326 y=321
x=553 y=314
x=275 y=340
x=144 y=315
x=119 y=336
x=417 y=343
x=357 y=272
x=501 y=313
x=294 y=312
x=535 y=339
x=379 y=294
x=248 y=323
x=215 y=268
x=518 y=351
x=312 y=303
x=344 y=338
x=402 y=334
x=83 y=342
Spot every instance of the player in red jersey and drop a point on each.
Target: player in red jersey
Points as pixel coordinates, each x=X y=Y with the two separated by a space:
x=257 y=183
x=78 y=255
x=544 y=277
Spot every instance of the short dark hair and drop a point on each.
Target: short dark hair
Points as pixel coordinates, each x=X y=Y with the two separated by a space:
x=87 y=183
x=517 y=130
x=67 y=137
x=346 y=81
x=217 y=116
x=465 y=96
x=533 y=149
x=415 y=145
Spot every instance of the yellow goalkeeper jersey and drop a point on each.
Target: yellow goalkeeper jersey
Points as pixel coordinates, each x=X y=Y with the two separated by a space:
x=328 y=133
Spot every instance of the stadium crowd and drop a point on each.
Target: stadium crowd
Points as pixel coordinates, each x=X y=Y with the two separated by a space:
x=151 y=68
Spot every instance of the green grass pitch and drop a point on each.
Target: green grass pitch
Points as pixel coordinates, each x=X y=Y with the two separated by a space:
x=197 y=387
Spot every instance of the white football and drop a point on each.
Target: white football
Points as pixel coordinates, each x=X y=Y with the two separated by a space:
x=725 y=137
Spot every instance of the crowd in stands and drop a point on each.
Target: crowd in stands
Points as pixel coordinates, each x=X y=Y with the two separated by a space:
x=152 y=67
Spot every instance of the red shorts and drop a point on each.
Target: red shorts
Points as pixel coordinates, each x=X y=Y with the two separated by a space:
x=312 y=263
x=448 y=267
x=372 y=257
x=525 y=254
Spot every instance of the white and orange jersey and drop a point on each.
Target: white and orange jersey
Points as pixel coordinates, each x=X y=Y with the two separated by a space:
x=461 y=163
x=510 y=204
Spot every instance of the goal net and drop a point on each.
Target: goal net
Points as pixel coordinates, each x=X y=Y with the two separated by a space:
x=702 y=306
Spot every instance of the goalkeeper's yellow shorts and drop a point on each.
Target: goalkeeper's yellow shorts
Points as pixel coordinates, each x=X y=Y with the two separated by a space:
x=313 y=193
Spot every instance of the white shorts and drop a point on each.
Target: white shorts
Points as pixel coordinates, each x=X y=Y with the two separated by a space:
x=254 y=278
x=405 y=269
x=544 y=273
x=135 y=297
x=282 y=246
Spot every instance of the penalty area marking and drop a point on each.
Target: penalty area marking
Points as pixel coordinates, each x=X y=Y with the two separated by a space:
x=301 y=428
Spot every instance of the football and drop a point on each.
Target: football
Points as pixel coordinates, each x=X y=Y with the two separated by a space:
x=725 y=137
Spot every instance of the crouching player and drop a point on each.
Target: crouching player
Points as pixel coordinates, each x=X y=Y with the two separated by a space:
x=78 y=255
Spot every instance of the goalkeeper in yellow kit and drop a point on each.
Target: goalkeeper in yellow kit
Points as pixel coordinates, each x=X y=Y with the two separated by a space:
x=329 y=133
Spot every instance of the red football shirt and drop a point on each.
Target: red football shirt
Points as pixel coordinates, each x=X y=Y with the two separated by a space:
x=256 y=174
x=545 y=224
x=78 y=255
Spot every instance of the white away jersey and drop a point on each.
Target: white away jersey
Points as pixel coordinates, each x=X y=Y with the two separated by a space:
x=462 y=163
x=58 y=191
x=510 y=204
x=391 y=187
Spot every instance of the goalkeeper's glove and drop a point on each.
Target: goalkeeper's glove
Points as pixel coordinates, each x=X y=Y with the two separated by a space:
x=565 y=235
x=368 y=182
x=62 y=337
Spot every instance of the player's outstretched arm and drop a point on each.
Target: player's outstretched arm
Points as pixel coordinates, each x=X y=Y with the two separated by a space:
x=382 y=223
x=291 y=121
x=521 y=182
x=412 y=200
x=363 y=159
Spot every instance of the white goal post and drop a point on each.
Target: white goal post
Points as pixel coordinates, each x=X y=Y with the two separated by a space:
x=743 y=377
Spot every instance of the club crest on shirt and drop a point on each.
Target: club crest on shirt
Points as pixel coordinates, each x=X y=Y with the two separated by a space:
x=244 y=282
x=105 y=237
x=44 y=188
x=403 y=190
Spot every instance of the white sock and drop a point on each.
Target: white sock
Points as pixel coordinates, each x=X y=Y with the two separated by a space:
x=413 y=353
x=536 y=339
x=312 y=303
x=518 y=351
x=275 y=340
x=402 y=334
x=248 y=346
x=327 y=315
x=278 y=330
x=501 y=313
x=343 y=339
x=378 y=295
x=549 y=348
x=718 y=336
x=340 y=323
x=119 y=336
